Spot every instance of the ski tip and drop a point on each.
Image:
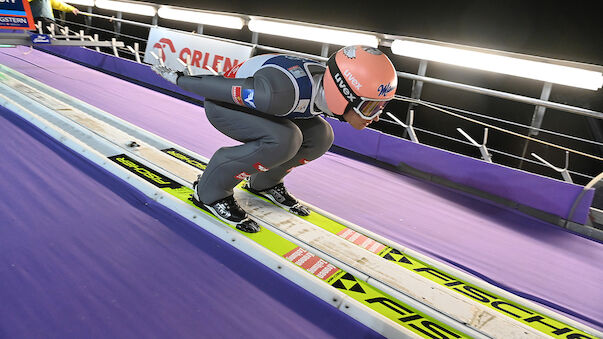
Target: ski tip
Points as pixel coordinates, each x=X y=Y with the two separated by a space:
x=300 y=210
x=249 y=226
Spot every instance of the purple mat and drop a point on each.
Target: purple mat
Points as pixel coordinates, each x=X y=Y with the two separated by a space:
x=519 y=253
x=85 y=255
x=545 y=194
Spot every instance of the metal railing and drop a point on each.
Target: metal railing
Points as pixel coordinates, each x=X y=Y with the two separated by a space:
x=414 y=99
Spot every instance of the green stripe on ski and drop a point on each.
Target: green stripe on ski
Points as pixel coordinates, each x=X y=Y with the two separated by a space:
x=387 y=306
x=513 y=310
x=525 y=315
x=535 y=320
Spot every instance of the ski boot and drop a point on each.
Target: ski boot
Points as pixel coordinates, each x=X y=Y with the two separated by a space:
x=279 y=195
x=227 y=210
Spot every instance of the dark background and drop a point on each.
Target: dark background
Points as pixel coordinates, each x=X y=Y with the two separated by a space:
x=555 y=30
x=563 y=30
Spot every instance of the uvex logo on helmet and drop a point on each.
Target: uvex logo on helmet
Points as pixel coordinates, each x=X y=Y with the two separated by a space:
x=353 y=80
x=344 y=87
x=163 y=42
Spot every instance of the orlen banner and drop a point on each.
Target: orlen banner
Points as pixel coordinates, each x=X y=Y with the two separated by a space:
x=202 y=51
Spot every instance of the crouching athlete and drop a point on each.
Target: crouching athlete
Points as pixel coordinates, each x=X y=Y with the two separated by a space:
x=273 y=104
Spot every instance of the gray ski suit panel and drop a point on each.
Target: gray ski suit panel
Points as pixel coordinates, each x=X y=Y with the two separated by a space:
x=274 y=91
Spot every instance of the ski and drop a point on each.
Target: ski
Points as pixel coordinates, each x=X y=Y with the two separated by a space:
x=369 y=296
x=504 y=306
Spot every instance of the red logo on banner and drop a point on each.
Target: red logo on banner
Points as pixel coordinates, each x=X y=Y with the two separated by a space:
x=311 y=263
x=260 y=167
x=236 y=95
x=162 y=44
x=304 y=161
x=242 y=175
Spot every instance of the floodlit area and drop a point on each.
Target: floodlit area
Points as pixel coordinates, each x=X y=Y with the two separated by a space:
x=103 y=232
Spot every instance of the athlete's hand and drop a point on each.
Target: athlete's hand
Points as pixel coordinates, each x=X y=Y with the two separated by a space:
x=167 y=73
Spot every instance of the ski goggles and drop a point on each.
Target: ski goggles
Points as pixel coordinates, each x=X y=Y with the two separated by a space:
x=366 y=108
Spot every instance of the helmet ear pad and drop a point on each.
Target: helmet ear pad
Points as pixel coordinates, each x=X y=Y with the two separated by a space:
x=336 y=102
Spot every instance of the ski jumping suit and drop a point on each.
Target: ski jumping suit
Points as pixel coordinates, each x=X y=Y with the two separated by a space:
x=268 y=104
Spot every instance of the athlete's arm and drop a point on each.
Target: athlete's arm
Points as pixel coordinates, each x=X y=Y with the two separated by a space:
x=273 y=91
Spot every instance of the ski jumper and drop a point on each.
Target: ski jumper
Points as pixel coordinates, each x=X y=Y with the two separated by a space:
x=269 y=104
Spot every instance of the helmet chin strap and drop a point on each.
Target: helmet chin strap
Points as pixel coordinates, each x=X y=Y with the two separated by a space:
x=321 y=102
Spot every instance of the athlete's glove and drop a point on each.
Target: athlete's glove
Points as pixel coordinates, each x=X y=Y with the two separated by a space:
x=167 y=73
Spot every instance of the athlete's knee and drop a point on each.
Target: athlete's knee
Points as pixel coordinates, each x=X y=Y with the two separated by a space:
x=322 y=137
x=286 y=143
x=328 y=136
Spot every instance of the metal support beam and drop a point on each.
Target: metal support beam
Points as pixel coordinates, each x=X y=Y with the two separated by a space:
x=597 y=131
x=96 y=39
x=408 y=128
x=486 y=156
x=324 y=52
x=540 y=110
x=114 y=46
x=537 y=119
x=136 y=52
x=117 y=24
x=503 y=95
x=88 y=19
x=564 y=172
x=417 y=89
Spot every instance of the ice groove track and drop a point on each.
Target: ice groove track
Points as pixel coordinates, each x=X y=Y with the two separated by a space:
x=414 y=324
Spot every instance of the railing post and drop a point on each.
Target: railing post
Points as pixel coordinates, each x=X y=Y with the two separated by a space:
x=540 y=110
x=114 y=47
x=135 y=51
x=51 y=29
x=564 y=172
x=537 y=118
x=65 y=32
x=408 y=128
x=482 y=147
x=117 y=24
x=187 y=64
x=88 y=19
x=324 y=52
x=417 y=88
x=96 y=39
